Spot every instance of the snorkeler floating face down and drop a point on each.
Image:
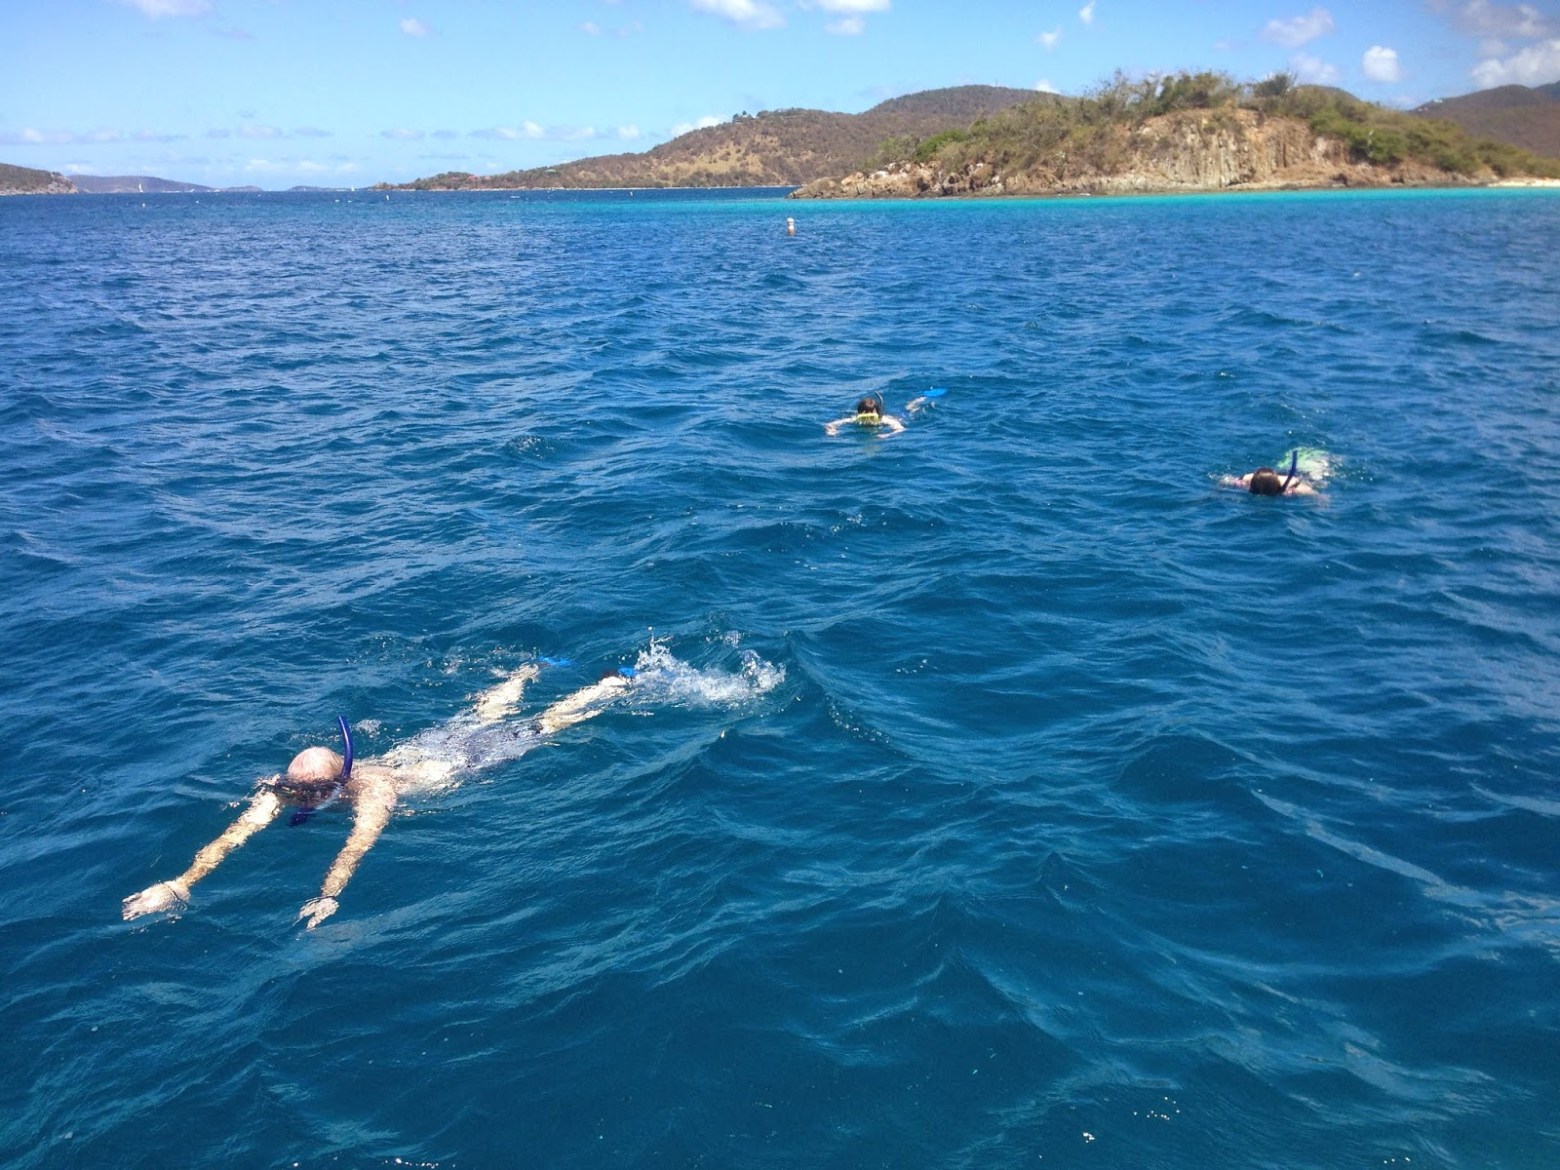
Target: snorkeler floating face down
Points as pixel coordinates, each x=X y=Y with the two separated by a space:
x=316 y=777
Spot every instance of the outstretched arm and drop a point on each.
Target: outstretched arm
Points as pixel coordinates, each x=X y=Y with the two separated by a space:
x=374 y=800
x=834 y=428
x=175 y=892
x=893 y=424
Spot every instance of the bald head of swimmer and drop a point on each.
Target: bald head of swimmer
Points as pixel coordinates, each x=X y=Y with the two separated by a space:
x=1265 y=482
x=314 y=765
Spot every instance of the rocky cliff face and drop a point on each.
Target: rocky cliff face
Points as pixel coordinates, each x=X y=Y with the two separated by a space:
x=1191 y=151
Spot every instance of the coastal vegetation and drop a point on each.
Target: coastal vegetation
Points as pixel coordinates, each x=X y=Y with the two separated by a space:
x=1187 y=131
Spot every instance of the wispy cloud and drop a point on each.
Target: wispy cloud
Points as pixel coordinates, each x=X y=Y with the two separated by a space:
x=851 y=13
x=1086 y=13
x=259 y=132
x=1299 y=30
x=1044 y=86
x=628 y=133
x=157 y=9
x=1049 y=40
x=749 y=14
x=1535 y=65
x=1381 y=64
x=413 y=27
x=526 y=130
x=29 y=136
x=402 y=135
x=1313 y=70
x=703 y=123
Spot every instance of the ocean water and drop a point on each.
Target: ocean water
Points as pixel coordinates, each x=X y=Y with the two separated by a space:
x=1000 y=793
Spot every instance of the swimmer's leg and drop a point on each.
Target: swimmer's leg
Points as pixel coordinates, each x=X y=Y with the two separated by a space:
x=582 y=704
x=502 y=701
x=175 y=893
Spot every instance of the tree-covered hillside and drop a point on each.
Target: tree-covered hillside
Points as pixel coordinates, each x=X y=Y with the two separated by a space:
x=771 y=148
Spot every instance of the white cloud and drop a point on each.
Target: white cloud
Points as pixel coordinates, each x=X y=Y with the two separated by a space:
x=856 y=6
x=591 y=29
x=703 y=123
x=1313 y=70
x=1049 y=40
x=413 y=27
x=1086 y=13
x=628 y=133
x=402 y=135
x=1044 y=86
x=261 y=132
x=160 y=8
x=1523 y=21
x=1299 y=30
x=1535 y=65
x=752 y=14
x=850 y=26
x=1381 y=64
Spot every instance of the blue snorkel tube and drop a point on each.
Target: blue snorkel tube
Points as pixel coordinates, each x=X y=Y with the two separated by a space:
x=1294 y=464
x=308 y=810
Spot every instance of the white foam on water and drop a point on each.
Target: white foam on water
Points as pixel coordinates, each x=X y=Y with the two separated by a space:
x=662 y=678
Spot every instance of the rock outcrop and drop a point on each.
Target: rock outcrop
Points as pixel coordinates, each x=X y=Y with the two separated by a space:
x=1229 y=149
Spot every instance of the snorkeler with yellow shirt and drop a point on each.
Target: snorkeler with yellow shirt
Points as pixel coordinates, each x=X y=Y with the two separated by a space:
x=870 y=414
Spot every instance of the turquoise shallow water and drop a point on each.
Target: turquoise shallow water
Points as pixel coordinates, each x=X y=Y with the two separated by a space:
x=1000 y=793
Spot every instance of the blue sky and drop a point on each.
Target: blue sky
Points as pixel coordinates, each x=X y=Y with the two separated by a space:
x=274 y=93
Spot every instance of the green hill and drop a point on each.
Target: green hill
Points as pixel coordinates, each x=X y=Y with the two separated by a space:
x=27 y=181
x=773 y=148
x=1525 y=117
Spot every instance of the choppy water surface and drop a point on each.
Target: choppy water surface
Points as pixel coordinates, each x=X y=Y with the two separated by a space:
x=1000 y=793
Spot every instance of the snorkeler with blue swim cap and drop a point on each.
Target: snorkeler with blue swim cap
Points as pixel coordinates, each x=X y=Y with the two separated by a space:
x=317 y=777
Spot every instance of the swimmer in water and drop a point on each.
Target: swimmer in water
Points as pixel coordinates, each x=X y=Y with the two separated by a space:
x=869 y=413
x=790 y=226
x=1264 y=481
x=317 y=777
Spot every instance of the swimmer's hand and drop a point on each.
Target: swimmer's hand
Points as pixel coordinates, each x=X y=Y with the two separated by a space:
x=174 y=895
x=317 y=911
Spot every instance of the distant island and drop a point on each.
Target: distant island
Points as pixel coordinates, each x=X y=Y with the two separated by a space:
x=27 y=181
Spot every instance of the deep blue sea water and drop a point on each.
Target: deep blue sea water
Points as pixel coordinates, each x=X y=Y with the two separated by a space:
x=999 y=793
